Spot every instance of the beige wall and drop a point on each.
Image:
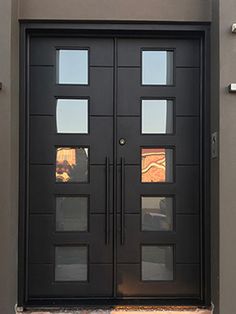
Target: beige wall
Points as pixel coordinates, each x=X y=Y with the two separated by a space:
x=9 y=154
x=156 y=10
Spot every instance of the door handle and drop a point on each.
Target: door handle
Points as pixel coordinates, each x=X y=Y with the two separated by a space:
x=107 y=216
x=122 y=202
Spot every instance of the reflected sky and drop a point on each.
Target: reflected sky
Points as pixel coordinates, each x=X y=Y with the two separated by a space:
x=157 y=67
x=157 y=116
x=73 y=67
x=72 y=116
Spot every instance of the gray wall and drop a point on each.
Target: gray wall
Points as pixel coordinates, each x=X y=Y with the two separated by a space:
x=8 y=152
x=222 y=13
x=227 y=218
x=157 y=10
x=215 y=162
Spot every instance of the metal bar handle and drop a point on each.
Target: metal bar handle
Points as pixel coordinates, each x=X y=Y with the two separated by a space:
x=107 y=200
x=122 y=213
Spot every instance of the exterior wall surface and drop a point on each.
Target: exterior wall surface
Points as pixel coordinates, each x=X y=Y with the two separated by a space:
x=130 y=10
x=222 y=13
x=9 y=101
x=227 y=124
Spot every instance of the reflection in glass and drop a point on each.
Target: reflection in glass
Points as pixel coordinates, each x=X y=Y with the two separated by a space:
x=157 y=213
x=71 y=263
x=157 y=67
x=157 y=116
x=72 y=116
x=72 y=164
x=157 y=165
x=73 y=66
x=71 y=213
x=157 y=262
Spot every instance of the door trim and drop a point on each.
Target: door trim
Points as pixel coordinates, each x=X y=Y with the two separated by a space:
x=114 y=30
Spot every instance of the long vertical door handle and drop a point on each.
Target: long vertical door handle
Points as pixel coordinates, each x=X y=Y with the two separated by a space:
x=122 y=202
x=107 y=200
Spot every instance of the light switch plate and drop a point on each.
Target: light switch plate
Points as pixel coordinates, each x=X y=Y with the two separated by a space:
x=214 y=145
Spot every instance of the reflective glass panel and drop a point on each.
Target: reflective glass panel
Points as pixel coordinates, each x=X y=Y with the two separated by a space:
x=73 y=66
x=157 y=67
x=71 y=164
x=157 y=116
x=71 y=213
x=72 y=116
x=157 y=213
x=157 y=262
x=157 y=165
x=71 y=263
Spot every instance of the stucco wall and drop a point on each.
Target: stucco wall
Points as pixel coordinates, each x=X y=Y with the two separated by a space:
x=8 y=152
x=156 y=10
x=227 y=11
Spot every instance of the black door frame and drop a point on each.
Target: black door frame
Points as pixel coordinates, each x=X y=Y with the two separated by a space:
x=113 y=29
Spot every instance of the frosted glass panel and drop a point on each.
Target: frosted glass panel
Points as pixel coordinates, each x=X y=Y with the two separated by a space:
x=157 y=116
x=71 y=164
x=72 y=116
x=157 y=67
x=157 y=165
x=71 y=263
x=157 y=262
x=71 y=213
x=157 y=213
x=73 y=66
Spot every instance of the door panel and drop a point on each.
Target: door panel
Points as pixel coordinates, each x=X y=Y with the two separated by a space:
x=158 y=166
x=75 y=253
x=115 y=176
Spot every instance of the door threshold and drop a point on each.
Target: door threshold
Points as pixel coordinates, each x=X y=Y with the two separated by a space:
x=120 y=310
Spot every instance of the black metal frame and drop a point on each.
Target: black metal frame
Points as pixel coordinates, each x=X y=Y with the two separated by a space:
x=115 y=29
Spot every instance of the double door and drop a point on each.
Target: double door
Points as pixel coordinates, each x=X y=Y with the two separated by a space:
x=114 y=169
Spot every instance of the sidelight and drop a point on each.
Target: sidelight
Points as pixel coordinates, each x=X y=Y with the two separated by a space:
x=71 y=263
x=72 y=116
x=157 y=67
x=156 y=165
x=157 y=262
x=71 y=164
x=73 y=66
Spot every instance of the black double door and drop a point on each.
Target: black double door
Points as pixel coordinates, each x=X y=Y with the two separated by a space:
x=114 y=169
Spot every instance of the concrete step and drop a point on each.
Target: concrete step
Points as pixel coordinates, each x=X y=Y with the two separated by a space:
x=122 y=310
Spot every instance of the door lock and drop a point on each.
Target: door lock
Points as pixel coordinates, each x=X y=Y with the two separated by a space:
x=122 y=141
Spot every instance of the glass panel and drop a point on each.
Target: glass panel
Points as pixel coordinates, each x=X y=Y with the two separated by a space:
x=71 y=213
x=72 y=164
x=157 y=213
x=157 y=262
x=157 y=67
x=157 y=116
x=73 y=66
x=72 y=116
x=157 y=165
x=71 y=263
